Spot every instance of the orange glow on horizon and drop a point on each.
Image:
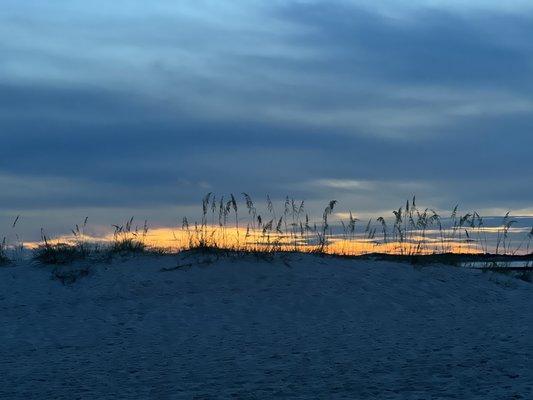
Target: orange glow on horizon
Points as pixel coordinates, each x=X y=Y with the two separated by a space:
x=257 y=240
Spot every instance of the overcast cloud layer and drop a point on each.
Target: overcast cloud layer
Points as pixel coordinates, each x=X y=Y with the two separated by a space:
x=121 y=105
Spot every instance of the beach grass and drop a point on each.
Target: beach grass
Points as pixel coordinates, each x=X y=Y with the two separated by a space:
x=412 y=233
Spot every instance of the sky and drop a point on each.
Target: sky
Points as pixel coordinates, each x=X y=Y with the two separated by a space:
x=111 y=109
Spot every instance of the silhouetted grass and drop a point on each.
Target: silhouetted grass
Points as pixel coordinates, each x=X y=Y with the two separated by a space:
x=412 y=231
x=61 y=253
x=413 y=234
x=127 y=245
x=58 y=253
x=128 y=239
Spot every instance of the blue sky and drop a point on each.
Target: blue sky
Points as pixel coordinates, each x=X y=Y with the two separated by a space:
x=121 y=108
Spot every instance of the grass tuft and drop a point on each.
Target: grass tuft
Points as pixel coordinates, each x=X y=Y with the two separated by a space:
x=127 y=246
x=59 y=253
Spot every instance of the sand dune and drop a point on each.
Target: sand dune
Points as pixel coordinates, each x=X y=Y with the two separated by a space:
x=298 y=326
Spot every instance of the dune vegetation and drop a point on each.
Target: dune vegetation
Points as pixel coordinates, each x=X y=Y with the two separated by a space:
x=225 y=224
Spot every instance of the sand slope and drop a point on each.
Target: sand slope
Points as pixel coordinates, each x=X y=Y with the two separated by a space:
x=298 y=327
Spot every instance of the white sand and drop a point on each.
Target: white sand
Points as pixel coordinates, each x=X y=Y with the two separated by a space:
x=322 y=328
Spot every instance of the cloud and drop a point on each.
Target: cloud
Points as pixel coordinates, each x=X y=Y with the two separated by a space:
x=346 y=184
x=107 y=105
